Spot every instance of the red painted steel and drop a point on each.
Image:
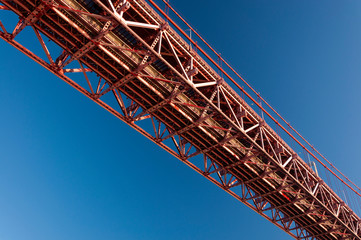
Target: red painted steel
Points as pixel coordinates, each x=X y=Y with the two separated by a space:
x=167 y=92
x=254 y=91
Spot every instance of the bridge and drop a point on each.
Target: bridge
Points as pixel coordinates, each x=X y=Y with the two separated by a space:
x=139 y=65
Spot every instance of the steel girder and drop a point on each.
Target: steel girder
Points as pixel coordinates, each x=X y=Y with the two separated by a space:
x=167 y=92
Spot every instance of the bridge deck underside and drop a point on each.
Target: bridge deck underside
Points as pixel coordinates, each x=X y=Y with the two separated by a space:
x=200 y=114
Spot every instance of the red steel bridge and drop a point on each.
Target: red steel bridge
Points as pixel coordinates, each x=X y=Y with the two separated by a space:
x=138 y=63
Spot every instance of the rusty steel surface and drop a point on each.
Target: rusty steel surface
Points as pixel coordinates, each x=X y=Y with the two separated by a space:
x=136 y=66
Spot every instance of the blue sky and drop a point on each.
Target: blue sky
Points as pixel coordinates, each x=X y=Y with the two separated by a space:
x=70 y=170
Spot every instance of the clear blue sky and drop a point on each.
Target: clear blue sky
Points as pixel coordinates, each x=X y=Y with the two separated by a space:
x=70 y=170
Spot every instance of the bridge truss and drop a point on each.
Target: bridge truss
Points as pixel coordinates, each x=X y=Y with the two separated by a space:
x=138 y=68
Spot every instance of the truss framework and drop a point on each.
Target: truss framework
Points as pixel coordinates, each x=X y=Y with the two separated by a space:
x=137 y=68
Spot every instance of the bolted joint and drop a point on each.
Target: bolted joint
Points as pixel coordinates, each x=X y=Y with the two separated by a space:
x=262 y=123
x=157 y=140
x=220 y=81
x=205 y=173
x=95 y=96
x=129 y=119
x=164 y=26
x=124 y=7
x=56 y=68
x=9 y=36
